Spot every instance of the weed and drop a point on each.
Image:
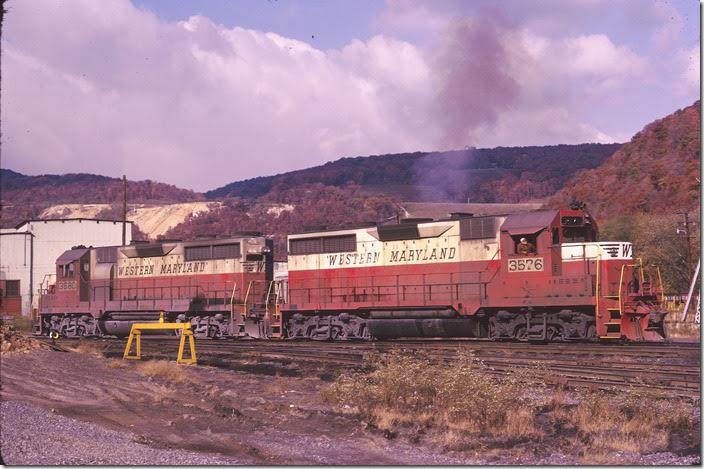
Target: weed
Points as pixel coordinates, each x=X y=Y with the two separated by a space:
x=117 y=363
x=167 y=370
x=631 y=421
x=20 y=323
x=463 y=406
x=459 y=401
x=89 y=347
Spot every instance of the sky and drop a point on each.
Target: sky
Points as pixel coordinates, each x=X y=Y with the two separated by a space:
x=201 y=94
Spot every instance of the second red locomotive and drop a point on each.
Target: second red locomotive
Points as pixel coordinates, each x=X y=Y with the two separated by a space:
x=221 y=285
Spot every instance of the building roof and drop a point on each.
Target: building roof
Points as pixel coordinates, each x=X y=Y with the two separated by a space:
x=12 y=231
x=68 y=219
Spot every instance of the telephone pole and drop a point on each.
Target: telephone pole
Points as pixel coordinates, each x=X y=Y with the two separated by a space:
x=124 y=210
x=688 y=236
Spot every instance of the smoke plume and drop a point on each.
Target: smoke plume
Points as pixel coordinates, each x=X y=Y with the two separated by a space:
x=472 y=80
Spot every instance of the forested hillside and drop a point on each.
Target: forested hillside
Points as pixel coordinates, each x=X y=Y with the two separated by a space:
x=502 y=174
x=24 y=197
x=656 y=172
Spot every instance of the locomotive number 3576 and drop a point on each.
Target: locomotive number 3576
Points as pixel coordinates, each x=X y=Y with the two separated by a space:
x=530 y=264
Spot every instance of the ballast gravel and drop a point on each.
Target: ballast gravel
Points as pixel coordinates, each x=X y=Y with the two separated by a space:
x=30 y=435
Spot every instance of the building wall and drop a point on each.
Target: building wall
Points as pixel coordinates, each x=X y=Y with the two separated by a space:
x=51 y=239
x=15 y=258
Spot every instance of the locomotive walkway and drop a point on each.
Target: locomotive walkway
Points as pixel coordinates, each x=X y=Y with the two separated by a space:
x=671 y=368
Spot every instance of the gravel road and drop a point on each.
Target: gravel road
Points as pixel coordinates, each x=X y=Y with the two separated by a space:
x=30 y=435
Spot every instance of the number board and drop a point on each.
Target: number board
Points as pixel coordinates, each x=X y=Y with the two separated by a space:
x=528 y=264
x=65 y=285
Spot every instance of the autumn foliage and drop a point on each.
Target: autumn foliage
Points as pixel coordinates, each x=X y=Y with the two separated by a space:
x=656 y=172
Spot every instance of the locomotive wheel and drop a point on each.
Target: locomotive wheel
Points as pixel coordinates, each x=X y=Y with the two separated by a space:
x=553 y=334
x=521 y=333
x=591 y=333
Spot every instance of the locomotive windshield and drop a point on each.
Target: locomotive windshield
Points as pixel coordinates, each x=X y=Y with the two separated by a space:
x=578 y=234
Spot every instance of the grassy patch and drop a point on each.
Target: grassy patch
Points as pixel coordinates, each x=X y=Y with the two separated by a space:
x=21 y=323
x=166 y=370
x=89 y=347
x=631 y=422
x=456 y=402
x=462 y=406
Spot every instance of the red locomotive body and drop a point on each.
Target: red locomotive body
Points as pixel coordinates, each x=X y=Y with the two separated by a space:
x=222 y=286
x=467 y=276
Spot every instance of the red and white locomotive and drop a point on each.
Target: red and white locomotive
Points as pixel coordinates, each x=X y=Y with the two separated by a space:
x=463 y=276
x=220 y=285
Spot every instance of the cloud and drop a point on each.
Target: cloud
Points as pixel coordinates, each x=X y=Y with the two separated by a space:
x=543 y=125
x=193 y=103
x=109 y=88
x=687 y=64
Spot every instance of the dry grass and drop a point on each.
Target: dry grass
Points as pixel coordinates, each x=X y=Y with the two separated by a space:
x=166 y=370
x=117 y=363
x=457 y=402
x=89 y=347
x=628 y=422
x=20 y=323
x=461 y=406
x=276 y=387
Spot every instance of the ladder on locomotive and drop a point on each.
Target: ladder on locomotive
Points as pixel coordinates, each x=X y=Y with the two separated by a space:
x=635 y=290
x=261 y=305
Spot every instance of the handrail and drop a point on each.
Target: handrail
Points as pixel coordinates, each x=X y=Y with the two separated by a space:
x=246 y=297
x=266 y=303
x=620 y=286
x=232 y=306
x=598 y=268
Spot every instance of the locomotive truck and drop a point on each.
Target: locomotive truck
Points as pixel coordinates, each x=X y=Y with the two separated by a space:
x=463 y=276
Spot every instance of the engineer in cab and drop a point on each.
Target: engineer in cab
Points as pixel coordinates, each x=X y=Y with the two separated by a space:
x=524 y=247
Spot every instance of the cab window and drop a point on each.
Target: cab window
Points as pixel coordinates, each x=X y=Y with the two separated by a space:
x=524 y=244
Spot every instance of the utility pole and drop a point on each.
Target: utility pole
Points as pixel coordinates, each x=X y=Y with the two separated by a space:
x=124 y=210
x=688 y=236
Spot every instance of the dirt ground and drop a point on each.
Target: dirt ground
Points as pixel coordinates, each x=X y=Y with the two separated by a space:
x=265 y=415
x=255 y=412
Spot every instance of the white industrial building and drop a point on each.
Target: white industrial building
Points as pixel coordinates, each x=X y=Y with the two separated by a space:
x=28 y=253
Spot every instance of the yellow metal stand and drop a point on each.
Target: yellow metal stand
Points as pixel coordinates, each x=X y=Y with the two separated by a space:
x=184 y=327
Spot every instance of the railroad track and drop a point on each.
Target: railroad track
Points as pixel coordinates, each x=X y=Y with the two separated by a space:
x=672 y=368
